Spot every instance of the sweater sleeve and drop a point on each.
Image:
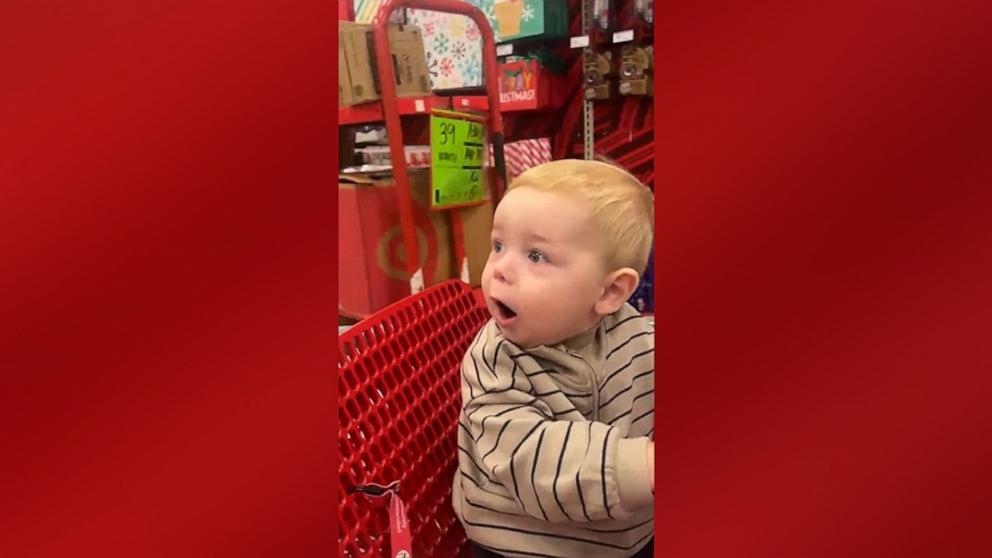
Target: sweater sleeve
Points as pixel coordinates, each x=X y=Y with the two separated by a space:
x=556 y=470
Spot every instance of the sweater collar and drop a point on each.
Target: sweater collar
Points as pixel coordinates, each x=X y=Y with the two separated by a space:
x=589 y=345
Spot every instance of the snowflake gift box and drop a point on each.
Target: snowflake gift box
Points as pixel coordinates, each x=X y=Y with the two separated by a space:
x=454 y=49
x=453 y=43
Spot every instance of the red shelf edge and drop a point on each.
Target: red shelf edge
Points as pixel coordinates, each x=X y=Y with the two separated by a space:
x=372 y=111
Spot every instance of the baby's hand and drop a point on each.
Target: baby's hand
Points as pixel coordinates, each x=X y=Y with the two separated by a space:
x=650 y=457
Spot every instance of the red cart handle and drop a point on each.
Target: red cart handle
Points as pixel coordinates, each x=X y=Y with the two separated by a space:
x=391 y=114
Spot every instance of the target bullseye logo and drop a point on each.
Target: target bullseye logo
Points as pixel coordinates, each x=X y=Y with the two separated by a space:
x=392 y=253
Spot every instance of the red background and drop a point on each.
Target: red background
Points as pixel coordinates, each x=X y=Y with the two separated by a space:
x=167 y=278
x=823 y=260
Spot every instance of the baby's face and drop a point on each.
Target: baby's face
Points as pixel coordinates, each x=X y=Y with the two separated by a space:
x=545 y=269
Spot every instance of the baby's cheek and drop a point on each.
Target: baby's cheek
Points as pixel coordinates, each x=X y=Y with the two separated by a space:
x=485 y=283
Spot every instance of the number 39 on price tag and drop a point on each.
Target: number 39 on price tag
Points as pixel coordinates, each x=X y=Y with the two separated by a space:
x=457 y=158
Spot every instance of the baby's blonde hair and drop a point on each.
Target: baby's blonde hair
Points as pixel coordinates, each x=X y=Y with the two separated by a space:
x=621 y=207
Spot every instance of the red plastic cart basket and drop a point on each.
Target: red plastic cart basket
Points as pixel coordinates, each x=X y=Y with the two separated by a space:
x=398 y=400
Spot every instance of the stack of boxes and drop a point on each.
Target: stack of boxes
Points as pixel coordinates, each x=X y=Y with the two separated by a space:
x=358 y=76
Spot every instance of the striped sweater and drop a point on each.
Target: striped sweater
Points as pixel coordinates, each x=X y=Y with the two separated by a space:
x=552 y=442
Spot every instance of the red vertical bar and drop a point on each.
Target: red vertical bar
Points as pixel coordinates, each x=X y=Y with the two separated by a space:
x=391 y=112
x=394 y=129
x=458 y=232
x=346 y=10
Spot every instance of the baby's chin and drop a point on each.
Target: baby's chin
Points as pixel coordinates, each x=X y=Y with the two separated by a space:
x=525 y=341
x=519 y=339
x=516 y=339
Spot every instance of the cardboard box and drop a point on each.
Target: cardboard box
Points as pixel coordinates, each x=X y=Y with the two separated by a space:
x=477 y=225
x=372 y=265
x=355 y=44
x=345 y=95
x=409 y=62
x=357 y=48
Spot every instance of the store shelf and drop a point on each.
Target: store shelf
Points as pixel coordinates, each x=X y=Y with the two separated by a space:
x=473 y=103
x=481 y=103
x=372 y=112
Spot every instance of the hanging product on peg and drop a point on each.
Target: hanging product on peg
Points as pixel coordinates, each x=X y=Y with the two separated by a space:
x=645 y=10
x=604 y=14
x=635 y=70
x=598 y=75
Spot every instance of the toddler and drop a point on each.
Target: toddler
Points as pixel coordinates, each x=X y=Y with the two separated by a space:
x=555 y=438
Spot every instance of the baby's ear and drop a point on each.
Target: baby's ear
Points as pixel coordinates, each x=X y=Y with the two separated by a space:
x=617 y=289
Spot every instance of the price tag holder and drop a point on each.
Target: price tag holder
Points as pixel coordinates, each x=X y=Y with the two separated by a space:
x=581 y=41
x=623 y=36
x=457 y=157
x=504 y=50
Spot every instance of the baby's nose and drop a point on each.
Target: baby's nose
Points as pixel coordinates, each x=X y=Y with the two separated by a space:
x=503 y=272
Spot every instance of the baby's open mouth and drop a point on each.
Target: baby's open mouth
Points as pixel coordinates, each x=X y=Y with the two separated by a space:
x=505 y=311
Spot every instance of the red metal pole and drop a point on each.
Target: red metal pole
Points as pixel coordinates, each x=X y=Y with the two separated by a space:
x=397 y=154
x=346 y=10
x=392 y=117
x=491 y=68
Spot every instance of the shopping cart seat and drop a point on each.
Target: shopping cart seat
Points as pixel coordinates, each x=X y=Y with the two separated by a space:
x=398 y=404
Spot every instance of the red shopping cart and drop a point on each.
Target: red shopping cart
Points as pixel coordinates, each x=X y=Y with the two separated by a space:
x=398 y=404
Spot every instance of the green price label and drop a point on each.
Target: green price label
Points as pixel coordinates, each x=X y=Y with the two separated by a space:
x=456 y=161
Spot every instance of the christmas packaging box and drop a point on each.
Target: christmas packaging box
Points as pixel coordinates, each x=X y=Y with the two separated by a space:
x=524 y=154
x=365 y=12
x=527 y=85
x=454 y=44
x=514 y=20
x=454 y=49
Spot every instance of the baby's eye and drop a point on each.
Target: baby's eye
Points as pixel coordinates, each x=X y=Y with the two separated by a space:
x=497 y=246
x=536 y=256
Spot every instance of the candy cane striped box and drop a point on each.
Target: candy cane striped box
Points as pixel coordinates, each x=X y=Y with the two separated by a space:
x=524 y=154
